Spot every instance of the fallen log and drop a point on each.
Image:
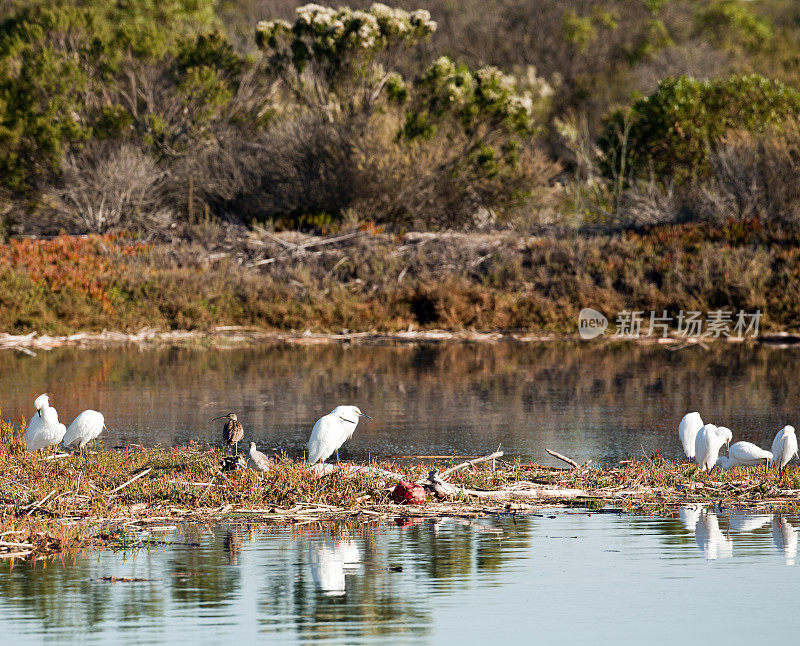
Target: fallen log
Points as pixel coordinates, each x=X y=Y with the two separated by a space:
x=322 y=469
x=564 y=458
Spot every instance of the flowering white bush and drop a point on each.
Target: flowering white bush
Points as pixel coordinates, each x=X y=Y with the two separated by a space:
x=327 y=55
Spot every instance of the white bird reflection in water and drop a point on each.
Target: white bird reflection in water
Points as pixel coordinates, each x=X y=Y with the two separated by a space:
x=716 y=544
x=329 y=560
x=690 y=514
x=784 y=535
x=743 y=523
x=710 y=539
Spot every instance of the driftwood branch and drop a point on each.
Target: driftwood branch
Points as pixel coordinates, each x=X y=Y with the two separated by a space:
x=133 y=479
x=468 y=463
x=36 y=505
x=564 y=458
x=322 y=469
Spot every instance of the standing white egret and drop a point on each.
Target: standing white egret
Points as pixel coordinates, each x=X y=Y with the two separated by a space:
x=709 y=441
x=784 y=447
x=44 y=428
x=84 y=428
x=744 y=454
x=331 y=431
x=687 y=431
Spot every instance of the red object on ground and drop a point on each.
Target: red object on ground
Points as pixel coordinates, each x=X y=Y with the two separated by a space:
x=407 y=493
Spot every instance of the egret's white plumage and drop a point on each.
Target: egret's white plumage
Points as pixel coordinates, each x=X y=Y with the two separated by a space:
x=44 y=428
x=84 y=428
x=331 y=431
x=710 y=539
x=687 y=431
x=710 y=439
x=744 y=454
x=784 y=447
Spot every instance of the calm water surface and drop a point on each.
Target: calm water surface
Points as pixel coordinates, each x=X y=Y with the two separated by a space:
x=556 y=577
x=590 y=401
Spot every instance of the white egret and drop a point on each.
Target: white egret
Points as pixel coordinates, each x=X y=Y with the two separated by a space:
x=687 y=431
x=44 y=429
x=743 y=454
x=84 y=428
x=709 y=441
x=784 y=447
x=331 y=431
x=257 y=460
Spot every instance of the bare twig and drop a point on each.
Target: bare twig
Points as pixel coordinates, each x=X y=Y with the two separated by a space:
x=136 y=477
x=468 y=463
x=564 y=458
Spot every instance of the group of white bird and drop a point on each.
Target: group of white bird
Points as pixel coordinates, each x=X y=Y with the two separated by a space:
x=45 y=430
x=703 y=442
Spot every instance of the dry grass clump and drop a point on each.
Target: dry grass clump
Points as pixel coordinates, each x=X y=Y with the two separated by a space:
x=371 y=281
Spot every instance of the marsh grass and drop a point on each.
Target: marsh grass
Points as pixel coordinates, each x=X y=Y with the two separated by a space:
x=377 y=282
x=67 y=503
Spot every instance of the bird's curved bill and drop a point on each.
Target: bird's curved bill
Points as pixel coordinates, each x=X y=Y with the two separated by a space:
x=363 y=415
x=220 y=417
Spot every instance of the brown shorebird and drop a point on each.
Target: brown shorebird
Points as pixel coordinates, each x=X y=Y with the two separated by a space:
x=232 y=432
x=257 y=461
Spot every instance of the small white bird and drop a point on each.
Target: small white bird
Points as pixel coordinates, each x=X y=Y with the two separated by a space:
x=331 y=431
x=84 y=428
x=257 y=460
x=44 y=428
x=743 y=454
x=709 y=441
x=784 y=447
x=687 y=431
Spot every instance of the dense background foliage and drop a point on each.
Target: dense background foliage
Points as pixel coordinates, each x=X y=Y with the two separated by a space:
x=140 y=115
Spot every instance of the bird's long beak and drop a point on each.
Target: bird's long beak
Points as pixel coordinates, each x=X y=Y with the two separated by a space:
x=363 y=415
x=346 y=420
x=220 y=417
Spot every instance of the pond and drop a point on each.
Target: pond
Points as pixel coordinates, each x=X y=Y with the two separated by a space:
x=554 y=577
x=590 y=400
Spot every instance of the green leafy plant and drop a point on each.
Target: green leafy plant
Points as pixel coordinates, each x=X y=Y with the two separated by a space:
x=669 y=134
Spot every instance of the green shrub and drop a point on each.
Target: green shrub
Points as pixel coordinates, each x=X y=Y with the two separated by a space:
x=669 y=133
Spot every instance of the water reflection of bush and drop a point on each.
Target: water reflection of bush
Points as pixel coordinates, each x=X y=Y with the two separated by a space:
x=597 y=400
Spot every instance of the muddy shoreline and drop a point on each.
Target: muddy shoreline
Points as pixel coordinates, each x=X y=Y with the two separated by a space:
x=233 y=336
